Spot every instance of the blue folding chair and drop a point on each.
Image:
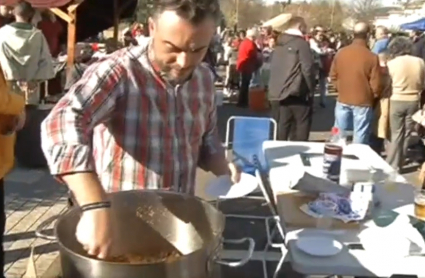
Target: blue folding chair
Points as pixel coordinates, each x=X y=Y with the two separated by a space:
x=244 y=145
x=245 y=142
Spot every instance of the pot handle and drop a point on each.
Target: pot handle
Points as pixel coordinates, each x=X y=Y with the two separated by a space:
x=247 y=257
x=39 y=231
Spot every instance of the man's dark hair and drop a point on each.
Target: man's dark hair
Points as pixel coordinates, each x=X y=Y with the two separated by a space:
x=24 y=10
x=195 y=11
x=295 y=22
x=400 y=46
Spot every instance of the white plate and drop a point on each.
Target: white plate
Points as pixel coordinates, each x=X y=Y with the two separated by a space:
x=320 y=246
x=224 y=188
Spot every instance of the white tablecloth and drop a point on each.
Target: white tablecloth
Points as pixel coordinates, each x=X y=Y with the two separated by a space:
x=278 y=154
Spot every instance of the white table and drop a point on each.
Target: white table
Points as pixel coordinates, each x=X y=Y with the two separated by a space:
x=278 y=154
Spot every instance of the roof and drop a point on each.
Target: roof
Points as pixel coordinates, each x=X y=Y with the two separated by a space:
x=93 y=16
x=38 y=3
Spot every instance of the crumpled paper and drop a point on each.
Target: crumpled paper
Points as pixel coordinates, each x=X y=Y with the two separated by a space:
x=302 y=181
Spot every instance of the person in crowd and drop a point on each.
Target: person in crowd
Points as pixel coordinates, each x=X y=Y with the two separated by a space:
x=238 y=40
x=408 y=76
x=24 y=54
x=248 y=63
x=418 y=44
x=323 y=55
x=291 y=84
x=232 y=76
x=267 y=56
x=52 y=30
x=6 y=15
x=12 y=118
x=355 y=74
x=128 y=39
x=382 y=39
x=150 y=110
x=381 y=107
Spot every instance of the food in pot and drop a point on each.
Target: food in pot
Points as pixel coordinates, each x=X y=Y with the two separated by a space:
x=163 y=257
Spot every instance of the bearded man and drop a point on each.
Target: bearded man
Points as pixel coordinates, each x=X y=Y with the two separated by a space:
x=142 y=118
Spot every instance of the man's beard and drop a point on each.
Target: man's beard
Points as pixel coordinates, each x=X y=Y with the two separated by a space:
x=166 y=71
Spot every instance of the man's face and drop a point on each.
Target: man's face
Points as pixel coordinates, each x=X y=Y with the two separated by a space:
x=6 y=11
x=179 y=46
x=319 y=34
x=379 y=33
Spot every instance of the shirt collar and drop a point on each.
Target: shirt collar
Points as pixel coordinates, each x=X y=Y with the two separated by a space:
x=294 y=32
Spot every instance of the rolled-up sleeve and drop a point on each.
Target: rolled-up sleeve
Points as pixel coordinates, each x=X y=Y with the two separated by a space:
x=66 y=132
x=212 y=157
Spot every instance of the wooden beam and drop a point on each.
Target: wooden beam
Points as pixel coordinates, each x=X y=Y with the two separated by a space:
x=72 y=13
x=123 y=7
x=116 y=21
x=74 y=5
x=58 y=12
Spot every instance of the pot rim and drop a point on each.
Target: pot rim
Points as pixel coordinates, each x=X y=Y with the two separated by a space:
x=74 y=209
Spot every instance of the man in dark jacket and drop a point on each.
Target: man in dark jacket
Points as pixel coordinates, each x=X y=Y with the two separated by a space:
x=291 y=85
x=418 y=44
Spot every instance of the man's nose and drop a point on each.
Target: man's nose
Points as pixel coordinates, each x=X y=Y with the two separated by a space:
x=183 y=60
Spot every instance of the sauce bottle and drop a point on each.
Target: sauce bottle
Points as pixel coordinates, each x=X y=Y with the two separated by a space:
x=332 y=156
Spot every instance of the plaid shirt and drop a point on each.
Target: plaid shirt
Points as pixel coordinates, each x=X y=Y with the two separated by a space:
x=136 y=131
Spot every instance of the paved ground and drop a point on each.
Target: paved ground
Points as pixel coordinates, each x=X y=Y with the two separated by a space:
x=33 y=196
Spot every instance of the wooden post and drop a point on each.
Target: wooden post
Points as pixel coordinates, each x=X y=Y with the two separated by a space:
x=72 y=25
x=117 y=14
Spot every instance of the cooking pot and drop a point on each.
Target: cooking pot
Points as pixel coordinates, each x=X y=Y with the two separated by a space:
x=150 y=222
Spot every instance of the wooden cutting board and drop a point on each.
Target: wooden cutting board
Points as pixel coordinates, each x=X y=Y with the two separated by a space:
x=288 y=206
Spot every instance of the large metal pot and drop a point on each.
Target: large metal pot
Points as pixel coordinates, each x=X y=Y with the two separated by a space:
x=149 y=222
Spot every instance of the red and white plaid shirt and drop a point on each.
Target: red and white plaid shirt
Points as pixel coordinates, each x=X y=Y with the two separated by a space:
x=135 y=130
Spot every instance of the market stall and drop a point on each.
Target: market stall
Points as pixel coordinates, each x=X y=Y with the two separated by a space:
x=417 y=25
x=278 y=23
x=82 y=19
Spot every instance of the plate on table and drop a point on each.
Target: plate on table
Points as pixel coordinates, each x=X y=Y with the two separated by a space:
x=319 y=246
x=223 y=187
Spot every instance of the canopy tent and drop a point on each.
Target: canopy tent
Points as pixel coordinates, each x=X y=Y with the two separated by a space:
x=278 y=22
x=417 y=25
x=85 y=18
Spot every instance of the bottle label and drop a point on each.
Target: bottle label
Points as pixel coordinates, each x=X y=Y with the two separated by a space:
x=332 y=167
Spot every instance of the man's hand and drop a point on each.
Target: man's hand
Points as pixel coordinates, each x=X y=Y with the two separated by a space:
x=94 y=232
x=20 y=123
x=235 y=173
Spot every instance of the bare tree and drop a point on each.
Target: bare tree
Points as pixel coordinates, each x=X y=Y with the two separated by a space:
x=364 y=9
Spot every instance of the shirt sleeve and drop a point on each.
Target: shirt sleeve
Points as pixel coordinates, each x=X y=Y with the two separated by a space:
x=66 y=132
x=212 y=157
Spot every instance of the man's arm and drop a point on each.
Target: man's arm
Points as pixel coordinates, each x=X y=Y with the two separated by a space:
x=66 y=132
x=307 y=65
x=212 y=157
x=333 y=73
x=375 y=78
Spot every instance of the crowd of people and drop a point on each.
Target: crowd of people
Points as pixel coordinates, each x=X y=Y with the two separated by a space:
x=378 y=76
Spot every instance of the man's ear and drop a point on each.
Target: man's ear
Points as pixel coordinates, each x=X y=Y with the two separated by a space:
x=152 y=26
